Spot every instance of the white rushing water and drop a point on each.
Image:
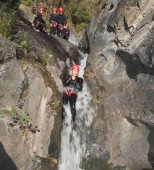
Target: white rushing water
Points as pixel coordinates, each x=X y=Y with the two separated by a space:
x=73 y=140
x=73 y=37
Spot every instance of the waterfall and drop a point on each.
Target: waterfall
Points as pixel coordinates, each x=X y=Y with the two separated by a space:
x=73 y=37
x=73 y=140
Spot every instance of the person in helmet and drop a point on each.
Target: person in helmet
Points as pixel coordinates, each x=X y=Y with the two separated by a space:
x=38 y=22
x=53 y=22
x=61 y=22
x=72 y=85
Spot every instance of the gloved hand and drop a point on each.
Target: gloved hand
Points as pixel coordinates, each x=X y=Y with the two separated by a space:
x=65 y=91
x=73 y=77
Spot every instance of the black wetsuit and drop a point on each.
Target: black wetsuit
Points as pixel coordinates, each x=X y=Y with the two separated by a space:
x=38 y=22
x=53 y=22
x=66 y=33
x=76 y=85
x=61 y=21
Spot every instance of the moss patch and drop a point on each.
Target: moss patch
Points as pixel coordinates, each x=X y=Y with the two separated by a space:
x=96 y=164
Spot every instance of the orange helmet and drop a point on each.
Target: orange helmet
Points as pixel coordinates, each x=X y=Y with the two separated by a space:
x=61 y=10
x=54 y=9
x=75 y=67
x=41 y=9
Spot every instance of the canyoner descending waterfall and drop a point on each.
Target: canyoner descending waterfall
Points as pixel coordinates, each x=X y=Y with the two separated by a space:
x=73 y=137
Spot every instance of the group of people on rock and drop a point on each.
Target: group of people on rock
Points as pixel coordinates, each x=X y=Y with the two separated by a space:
x=57 y=20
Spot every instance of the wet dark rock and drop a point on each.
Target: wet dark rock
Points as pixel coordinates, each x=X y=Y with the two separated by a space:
x=96 y=164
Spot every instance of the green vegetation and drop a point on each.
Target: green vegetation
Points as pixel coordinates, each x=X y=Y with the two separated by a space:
x=55 y=104
x=7 y=20
x=44 y=58
x=24 y=44
x=78 y=14
x=23 y=120
x=26 y=2
x=97 y=2
x=47 y=24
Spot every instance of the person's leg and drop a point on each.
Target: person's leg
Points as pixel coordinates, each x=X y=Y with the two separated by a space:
x=40 y=27
x=37 y=26
x=62 y=33
x=58 y=31
x=65 y=98
x=43 y=27
x=54 y=30
x=50 y=30
x=72 y=101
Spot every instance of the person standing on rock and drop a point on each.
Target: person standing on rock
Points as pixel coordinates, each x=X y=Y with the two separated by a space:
x=38 y=22
x=72 y=85
x=61 y=22
x=53 y=22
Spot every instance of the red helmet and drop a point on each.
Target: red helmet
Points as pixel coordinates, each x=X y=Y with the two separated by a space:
x=41 y=9
x=75 y=67
x=60 y=10
x=54 y=9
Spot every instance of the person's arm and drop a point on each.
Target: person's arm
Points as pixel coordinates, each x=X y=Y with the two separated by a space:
x=57 y=18
x=79 y=83
x=34 y=21
x=67 y=80
x=65 y=21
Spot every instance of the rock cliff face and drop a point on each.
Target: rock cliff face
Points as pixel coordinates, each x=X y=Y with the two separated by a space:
x=27 y=87
x=30 y=80
x=120 y=74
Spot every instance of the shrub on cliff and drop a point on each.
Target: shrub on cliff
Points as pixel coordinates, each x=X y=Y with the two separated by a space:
x=78 y=14
x=26 y=2
x=7 y=20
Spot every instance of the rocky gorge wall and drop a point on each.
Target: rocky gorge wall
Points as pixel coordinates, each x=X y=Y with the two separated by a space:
x=120 y=74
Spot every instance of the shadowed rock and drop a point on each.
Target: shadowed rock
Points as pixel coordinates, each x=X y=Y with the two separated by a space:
x=6 y=163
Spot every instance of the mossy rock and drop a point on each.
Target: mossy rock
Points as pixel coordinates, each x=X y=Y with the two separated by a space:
x=96 y=164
